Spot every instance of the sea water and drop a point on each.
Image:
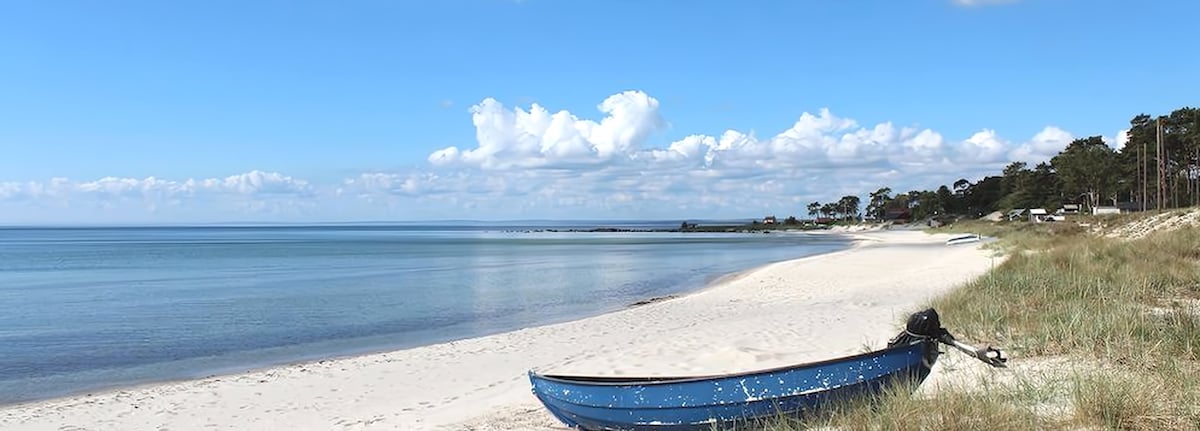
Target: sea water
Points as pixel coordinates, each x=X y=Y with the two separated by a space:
x=83 y=309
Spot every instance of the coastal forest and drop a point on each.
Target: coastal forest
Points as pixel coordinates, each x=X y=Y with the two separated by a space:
x=1157 y=168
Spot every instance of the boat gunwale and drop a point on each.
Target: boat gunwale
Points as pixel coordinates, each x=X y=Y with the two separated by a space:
x=665 y=380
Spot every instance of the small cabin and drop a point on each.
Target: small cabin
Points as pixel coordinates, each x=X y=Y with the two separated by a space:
x=1104 y=210
x=1016 y=214
x=1069 y=209
x=1038 y=215
x=769 y=220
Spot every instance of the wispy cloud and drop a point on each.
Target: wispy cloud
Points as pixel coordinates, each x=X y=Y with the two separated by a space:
x=242 y=196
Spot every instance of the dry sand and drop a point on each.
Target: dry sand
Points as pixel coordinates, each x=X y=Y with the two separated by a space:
x=1187 y=218
x=806 y=309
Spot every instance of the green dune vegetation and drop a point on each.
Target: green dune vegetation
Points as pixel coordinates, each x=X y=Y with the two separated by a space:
x=1099 y=314
x=1103 y=332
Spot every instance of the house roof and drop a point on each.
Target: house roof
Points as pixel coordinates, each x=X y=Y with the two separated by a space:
x=1037 y=211
x=1016 y=212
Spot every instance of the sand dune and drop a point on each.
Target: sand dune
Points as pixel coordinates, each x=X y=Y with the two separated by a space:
x=800 y=310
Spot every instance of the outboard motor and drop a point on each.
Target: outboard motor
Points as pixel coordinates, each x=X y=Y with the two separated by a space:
x=927 y=325
x=922 y=325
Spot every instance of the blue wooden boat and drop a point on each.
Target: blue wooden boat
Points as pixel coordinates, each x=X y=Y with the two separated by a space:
x=717 y=402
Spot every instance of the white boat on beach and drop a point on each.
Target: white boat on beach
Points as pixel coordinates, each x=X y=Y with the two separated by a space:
x=964 y=239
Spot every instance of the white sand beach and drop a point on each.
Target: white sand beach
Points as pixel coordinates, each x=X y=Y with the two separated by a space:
x=806 y=309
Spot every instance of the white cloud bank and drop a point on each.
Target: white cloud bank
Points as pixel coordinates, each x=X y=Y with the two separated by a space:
x=117 y=199
x=533 y=160
x=517 y=139
x=249 y=184
x=535 y=163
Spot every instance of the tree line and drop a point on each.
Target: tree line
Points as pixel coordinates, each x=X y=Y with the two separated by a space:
x=1141 y=175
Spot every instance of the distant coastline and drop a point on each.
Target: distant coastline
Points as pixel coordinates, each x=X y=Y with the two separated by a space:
x=709 y=229
x=563 y=226
x=686 y=227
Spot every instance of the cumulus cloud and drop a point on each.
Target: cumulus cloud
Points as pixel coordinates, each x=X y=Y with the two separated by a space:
x=260 y=183
x=538 y=138
x=1044 y=145
x=1118 y=141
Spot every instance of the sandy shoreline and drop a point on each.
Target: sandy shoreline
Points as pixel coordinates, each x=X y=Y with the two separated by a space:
x=806 y=309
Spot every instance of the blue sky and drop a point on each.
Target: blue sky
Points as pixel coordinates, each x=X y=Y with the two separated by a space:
x=196 y=111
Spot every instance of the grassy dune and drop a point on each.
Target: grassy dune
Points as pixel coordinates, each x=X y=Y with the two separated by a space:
x=1111 y=326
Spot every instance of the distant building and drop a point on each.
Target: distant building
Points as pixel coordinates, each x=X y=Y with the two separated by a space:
x=1069 y=209
x=1106 y=210
x=1016 y=214
x=1037 y=215
x=769 y=220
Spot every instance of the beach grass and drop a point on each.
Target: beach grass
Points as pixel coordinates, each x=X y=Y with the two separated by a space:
x=897 y=410
x=1117 y=321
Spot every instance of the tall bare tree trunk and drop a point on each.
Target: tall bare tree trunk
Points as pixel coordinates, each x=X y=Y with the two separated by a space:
x=1158 y=164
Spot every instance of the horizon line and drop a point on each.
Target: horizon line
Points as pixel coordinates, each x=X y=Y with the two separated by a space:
x=436 y=222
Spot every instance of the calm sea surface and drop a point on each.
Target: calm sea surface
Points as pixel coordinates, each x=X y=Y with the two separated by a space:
x=89 y=308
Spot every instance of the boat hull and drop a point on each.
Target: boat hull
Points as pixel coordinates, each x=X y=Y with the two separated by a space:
x=964 y=239
x=702 y=403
